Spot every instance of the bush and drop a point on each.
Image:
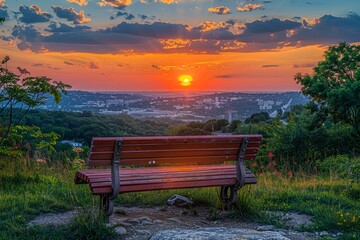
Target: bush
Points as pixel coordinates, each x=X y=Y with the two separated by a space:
x=343 y=166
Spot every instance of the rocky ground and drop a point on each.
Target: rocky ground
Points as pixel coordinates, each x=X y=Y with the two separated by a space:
x=160 y=223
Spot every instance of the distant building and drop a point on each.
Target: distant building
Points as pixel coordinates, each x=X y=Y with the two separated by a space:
x=231 y=115
x=72 y=143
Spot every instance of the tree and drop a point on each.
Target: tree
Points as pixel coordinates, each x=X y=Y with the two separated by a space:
x=24 y=93
x=335 y=84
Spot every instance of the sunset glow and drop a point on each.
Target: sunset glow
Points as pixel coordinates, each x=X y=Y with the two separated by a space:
x=151 y=45
x=185 y=80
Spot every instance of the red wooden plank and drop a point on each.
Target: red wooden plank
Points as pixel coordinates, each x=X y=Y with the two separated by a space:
x=139 y=147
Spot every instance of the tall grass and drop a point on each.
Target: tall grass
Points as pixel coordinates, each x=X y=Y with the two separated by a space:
x=334 y=203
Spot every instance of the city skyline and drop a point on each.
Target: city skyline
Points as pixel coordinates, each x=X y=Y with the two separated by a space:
x=130 y=45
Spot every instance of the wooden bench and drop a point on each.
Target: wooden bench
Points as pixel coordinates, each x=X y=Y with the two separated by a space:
x=156 y=163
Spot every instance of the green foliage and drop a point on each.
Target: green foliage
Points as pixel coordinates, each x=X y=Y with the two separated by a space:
x=2 y=20
x=335 y=84
x=199 y=128
x=342 y=166
x=24 y=93
x=257 y=117
x=308 y=135
x=83 y=127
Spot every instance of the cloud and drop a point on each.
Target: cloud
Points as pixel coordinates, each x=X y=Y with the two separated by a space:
x=267 y=1
x=159 y=37
x=166 y=1
x=45 y=66
x=127 y=16
x=79 y=2
x=33 y=14
x=223 y=76
x=306 y=65
x=68 y=63
x=270 y=26
x=53 y=27
x=2 y=3
x=250 y=7
x=330 y=30
x=221 y=10
x=174 y=43
x=270 y=66
x=3 y=12
x=120 y=4
x=93 y=65
x=71 y=15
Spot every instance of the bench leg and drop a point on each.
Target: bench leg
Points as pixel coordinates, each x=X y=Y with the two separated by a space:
x=228 y=195
x=106 y=206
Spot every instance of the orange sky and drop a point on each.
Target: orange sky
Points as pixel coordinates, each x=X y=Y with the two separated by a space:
x=259 y=71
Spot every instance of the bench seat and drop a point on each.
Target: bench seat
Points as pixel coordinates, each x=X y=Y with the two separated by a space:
x=158 y=178
x=134 y=164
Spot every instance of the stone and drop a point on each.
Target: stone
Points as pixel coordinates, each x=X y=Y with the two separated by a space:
x=120 y=230
x=266 y=228
x=143 y=232
x=179 y=201
x=145 y=218
x=323 y=233
x=135 y=220
x=146 y=222
x=53 y=219
x=174 y=220
x=158 y=221
x=216 y=233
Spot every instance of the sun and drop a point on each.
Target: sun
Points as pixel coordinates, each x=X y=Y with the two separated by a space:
x=185 y=80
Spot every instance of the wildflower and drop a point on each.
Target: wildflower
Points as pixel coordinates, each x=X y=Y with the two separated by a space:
x=39 y=160
x=268 y=165
x=274 y=163
x=27 y=143
x=290 y=173
x=276 y=173
x=271 y=155
x=254 y=164
x=261 y=174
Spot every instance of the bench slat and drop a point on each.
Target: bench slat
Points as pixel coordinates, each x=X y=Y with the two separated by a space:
x=175 y=139
x=142 y=147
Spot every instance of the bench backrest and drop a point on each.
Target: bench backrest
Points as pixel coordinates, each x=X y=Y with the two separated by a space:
x=172 y=149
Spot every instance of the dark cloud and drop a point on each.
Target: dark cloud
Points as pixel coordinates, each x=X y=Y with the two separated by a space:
x=71 y=15
x=127 y=16
x=306 y=65
x=330 y=30
x=270 y=66
x=231 y=21
x=223 y=76
x=296 y=18
x=33 y=14
x=3 y=12
x=62 y=27
x=68 y=63
x=221 y=10
x=270 y=26
x=308 y=3
x=173 y=38
x=264 y=16
x=45 y=66
x=267 y=1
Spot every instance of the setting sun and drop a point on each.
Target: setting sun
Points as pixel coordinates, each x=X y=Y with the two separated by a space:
x=185 y=80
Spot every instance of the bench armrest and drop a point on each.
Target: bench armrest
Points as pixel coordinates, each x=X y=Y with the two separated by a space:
x=115 y=179
x=240 y=168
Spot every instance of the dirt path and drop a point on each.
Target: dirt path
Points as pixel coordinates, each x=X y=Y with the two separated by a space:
x=136 y=223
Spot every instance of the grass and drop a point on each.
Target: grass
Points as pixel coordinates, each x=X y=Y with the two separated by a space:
x=334 y=203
